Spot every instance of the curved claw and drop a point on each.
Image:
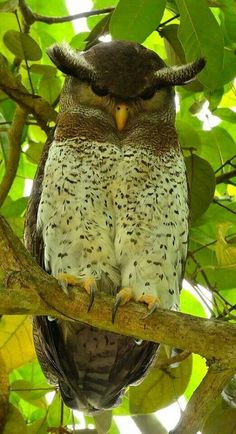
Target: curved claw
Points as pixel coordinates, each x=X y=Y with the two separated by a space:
x=93 y=288
x=153 y=308
x=115 y=308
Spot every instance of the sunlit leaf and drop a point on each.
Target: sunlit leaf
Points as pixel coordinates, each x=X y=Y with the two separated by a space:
x=33 y=393
x=16 y=344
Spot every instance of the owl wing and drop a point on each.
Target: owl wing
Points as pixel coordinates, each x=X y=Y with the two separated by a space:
x=92 y=367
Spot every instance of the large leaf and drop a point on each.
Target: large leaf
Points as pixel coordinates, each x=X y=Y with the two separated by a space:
x=22 y=45
x=134 y=20
x=16 y=345
x=201 y=179
x=201 y=36
x=160 y=388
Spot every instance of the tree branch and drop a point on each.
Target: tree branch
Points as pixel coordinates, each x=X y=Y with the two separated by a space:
x=224 y=177
x=15 y=134
x=201 y=400
x=12 y=86
x=30 y=17
x=26 y=289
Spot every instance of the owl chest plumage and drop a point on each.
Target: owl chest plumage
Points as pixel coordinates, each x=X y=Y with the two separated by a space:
x=118 y=214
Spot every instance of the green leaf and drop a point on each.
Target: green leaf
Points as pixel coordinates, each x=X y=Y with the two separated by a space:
x=188 y=136
x=199 y=370
x=197 y=27
x=14 y=208
x=226 y=114
x=45 y=70
x=100 y=29
x=160 y=388
x=174 y=48
x=26 y=391
x=201 y=180
x=79 y=41
x=54 y=412
x=9 y=6
x=191 y=305
x=50 y=88
x=217 y=146
x=22 y=45
x=134 y=20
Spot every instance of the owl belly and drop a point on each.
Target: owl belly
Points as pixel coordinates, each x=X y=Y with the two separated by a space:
x=151 y=209
x=119 y=216
x=76 y=215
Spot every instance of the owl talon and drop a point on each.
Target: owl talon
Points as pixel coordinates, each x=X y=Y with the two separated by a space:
x=90 y=287
x=153 y=309
x=122 y=298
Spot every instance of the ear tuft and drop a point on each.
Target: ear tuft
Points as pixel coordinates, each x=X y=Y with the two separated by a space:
x=179 y=75
x=71 y=62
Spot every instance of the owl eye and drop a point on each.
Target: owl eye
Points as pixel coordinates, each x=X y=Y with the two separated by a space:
x=100 y=91
x=148 y=93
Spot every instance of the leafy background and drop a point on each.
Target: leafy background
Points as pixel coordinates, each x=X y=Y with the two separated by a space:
x=179 y=31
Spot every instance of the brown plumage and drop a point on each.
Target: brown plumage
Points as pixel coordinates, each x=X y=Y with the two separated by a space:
x=109 y=209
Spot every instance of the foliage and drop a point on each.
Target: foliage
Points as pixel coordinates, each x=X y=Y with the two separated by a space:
x=179 y=31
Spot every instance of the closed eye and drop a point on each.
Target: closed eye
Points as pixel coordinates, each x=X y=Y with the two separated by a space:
x=148 y=93
x=100 y=91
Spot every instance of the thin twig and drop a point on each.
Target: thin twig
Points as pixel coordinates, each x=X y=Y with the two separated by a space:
x=25 y=59
x=169 y=20
x=223 y=206
x=31 y=17
x=15 y=134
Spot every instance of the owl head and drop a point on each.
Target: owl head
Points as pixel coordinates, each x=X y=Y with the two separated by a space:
x=121 y=78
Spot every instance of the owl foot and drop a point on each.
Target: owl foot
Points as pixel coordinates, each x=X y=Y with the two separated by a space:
x=127 y=294
x=123 y=296
x=65 y=279
x=88 y=284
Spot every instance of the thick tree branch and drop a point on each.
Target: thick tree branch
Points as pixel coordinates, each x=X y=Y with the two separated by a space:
x=201 y=400
x=15 y=134
x=26 y=289
x=12 y=86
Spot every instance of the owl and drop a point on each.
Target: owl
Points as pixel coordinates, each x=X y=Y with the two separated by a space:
x=109 y=211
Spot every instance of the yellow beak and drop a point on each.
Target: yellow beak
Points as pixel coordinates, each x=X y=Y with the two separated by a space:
x=121 y=115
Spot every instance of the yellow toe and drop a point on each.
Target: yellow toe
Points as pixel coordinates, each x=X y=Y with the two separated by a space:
x=150 y=300
x=90 y=285
x=124 y=295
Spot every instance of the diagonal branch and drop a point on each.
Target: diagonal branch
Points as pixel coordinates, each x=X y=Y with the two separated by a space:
x=26 y=289
x=15 y=134
x=12 y=86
